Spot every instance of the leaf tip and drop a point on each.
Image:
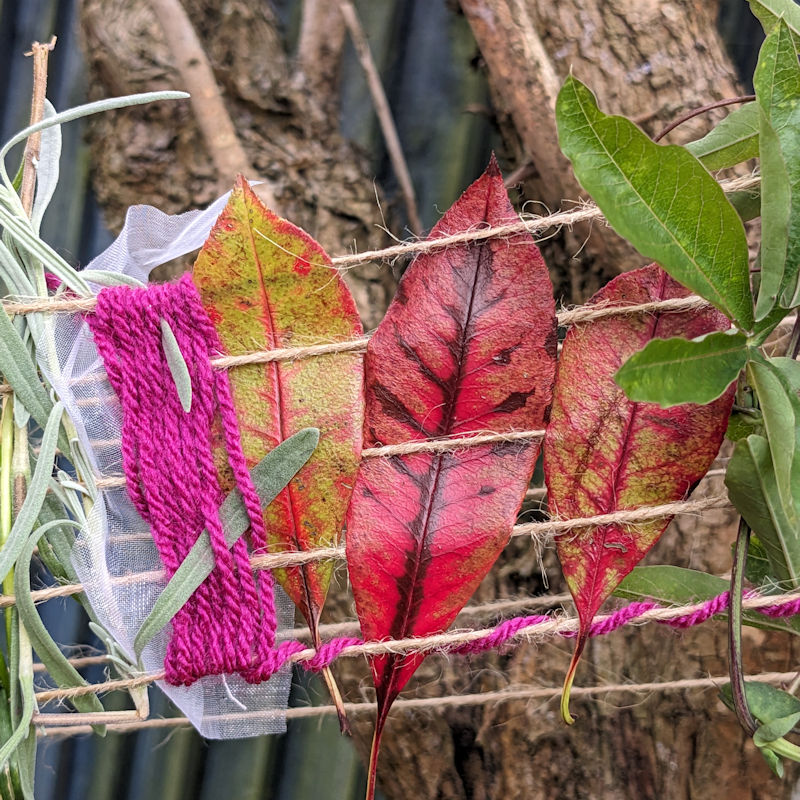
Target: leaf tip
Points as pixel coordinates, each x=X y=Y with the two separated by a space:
x=493 y=168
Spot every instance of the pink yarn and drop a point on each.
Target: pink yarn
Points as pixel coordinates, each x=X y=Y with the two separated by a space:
x=229 y=622
x=505 y=631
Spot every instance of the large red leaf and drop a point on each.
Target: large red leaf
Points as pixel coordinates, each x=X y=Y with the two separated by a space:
x=467 y=345
x=266 y=284
x=604 y=453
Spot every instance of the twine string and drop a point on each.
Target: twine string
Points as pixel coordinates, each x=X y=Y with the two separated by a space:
x=526 y=628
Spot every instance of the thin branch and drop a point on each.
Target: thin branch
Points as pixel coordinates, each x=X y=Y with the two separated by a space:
x=194 y=68
x=40 y=53
x=384 y=113
x=695 y=112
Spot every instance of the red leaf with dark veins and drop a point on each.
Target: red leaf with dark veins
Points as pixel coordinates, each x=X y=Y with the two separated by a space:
x=468 y=345
x=604 y=453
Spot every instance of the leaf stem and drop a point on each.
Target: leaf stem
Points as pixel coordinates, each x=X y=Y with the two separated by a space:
x=735 y=630
x=695 y=112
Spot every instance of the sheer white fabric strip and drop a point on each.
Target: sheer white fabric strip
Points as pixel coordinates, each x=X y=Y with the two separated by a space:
x=115 y=556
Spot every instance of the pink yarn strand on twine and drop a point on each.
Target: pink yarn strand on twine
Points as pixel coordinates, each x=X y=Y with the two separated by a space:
x=228 y=624
x=503 y=634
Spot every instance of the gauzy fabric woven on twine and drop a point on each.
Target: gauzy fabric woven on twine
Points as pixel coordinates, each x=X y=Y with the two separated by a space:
x=228 y=624
x=115 y=556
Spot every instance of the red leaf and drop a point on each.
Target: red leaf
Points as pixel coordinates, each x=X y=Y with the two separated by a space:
x=467 y=345
x=604 y=453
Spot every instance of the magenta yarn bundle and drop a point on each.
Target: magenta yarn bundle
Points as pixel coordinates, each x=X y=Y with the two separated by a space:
x=228 y=625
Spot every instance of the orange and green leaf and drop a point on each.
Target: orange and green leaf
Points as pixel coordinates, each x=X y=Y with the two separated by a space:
x=605 y=453
x=266 y=284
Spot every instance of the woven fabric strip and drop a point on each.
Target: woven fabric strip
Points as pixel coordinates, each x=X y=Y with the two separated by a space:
x=228 y=625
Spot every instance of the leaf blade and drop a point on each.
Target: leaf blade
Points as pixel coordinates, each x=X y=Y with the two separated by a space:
x=604 y=453
x=675 y=371
x=266 y=284
x=660 y=198
x=467 y=344
x=731 y=141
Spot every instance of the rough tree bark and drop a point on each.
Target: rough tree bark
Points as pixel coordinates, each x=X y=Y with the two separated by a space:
x=649 y=59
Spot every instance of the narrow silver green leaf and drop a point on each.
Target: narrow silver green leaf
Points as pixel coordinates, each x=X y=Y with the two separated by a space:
x=674 y=371
x=177 y=366
x=731 y=141
x=20 y=372
x=270 y=476
x=59 y=668
x=661 y=199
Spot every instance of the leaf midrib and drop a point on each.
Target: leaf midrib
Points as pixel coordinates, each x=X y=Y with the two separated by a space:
x=620 y=171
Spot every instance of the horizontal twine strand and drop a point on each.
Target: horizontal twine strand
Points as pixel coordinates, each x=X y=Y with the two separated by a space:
x=530 y=224
x=54 y=724
x=541 y=531
x=527 y=629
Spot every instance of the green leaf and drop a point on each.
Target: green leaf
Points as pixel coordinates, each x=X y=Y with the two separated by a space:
x=678 y=586
x=741 y=425
x=177 y=366
x=766 y=703
x=747 y=202
x=85 y=110
x=770 y=731
x=661 y=199
x=26 y=519
x=62 y=672
x=777 y=84
x=731 y=141
x=23 y=729
x=780 y=407
x=270 y=476
x=674 y=371
x=769 y=12
x=758 y=570
x=773 y=762
x=753 y=489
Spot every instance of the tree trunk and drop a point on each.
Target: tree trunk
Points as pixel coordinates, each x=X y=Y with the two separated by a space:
x=650 y=58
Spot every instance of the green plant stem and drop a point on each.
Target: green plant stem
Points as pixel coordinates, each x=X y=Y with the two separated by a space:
x=735 y=630
x=6 y=506
x=10 y=778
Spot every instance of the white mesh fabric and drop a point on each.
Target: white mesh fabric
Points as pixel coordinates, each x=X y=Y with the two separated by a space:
x=115 y=557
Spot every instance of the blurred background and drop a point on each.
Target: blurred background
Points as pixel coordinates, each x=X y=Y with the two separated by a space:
x=459 y=88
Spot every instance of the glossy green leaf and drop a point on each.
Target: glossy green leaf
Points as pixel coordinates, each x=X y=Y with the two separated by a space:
x=767 y=703
x=731 y=141
x=769 y=12
x=177 y=366
x=780 y=407
x=747 y=202
x=674 y=371
x=679 y=586
x=777 y=84
x=741 y=425
x=753 y=489
x=269 y=476
x=661 y=199
x=773 y=762
x=770 y=731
